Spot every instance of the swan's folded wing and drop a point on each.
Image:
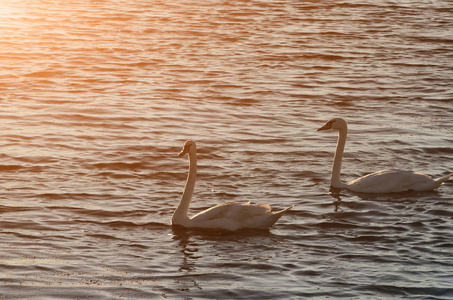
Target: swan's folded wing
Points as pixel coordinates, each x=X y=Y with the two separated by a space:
x=390 y=181
x=233 y=210
x=232 y=216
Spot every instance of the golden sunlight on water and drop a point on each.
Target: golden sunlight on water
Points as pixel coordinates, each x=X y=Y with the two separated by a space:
x=98 y=97
x=8 y=10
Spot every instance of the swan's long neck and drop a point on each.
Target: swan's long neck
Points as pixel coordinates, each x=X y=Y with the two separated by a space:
x=180 y=216
x=336 y=167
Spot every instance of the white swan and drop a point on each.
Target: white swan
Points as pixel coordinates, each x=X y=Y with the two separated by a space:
x=228 y=216
x=384 y=181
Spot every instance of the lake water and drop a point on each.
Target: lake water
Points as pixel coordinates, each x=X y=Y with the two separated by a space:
x=97 y=98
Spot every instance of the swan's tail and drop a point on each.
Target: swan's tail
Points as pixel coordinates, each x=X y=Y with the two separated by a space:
x=281 y=212
x=441 y=180
x=278 y=214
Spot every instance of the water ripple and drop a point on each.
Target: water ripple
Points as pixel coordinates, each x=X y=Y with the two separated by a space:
x=97 y=99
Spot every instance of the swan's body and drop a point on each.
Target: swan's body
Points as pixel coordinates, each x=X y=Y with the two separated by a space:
x=384 y=181
x=228 y=216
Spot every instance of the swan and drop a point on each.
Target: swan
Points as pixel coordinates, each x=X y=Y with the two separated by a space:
x=384 y=181
x=228 y=216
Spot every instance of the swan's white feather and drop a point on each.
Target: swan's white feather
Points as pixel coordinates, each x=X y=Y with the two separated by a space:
x=393 y=181
x=233 y=216
x=232 y=210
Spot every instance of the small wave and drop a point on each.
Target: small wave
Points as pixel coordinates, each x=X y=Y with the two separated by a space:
x=7 y=209
x=11 y=168
x=121 y=223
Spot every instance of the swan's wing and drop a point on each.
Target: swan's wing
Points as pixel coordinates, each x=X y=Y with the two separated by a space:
x=232 y=210
x=233 y=216
x=390 y=181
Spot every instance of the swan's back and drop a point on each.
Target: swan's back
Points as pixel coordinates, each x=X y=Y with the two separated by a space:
x=393 y=181
x=233 y=216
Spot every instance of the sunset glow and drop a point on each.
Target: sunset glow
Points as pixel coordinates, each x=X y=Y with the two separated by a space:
x=98 y=97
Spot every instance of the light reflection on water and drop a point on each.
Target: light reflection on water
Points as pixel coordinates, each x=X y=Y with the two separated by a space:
x=98 y=97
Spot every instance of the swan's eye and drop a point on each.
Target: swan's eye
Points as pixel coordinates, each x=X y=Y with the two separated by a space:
x=187 y=146
x=329 y=124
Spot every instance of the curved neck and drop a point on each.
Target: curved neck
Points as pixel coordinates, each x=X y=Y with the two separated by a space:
x=336 y=167
x=181 y=213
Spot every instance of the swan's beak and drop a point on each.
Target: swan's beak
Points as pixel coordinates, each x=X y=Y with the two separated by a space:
x=182 y=153
x=187 y=146
x=325 y=127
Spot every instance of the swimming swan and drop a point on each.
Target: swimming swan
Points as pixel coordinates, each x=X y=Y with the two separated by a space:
x=228 y=216
x=384 y=181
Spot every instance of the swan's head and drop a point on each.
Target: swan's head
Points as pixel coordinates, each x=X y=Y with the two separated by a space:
x=189 y=147
x=335 y=123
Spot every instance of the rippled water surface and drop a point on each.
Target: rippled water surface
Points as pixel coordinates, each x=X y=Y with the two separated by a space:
x=98 y=97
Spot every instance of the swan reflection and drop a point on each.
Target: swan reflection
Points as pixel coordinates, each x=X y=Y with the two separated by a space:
x=335 y=193
x=186 y=248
